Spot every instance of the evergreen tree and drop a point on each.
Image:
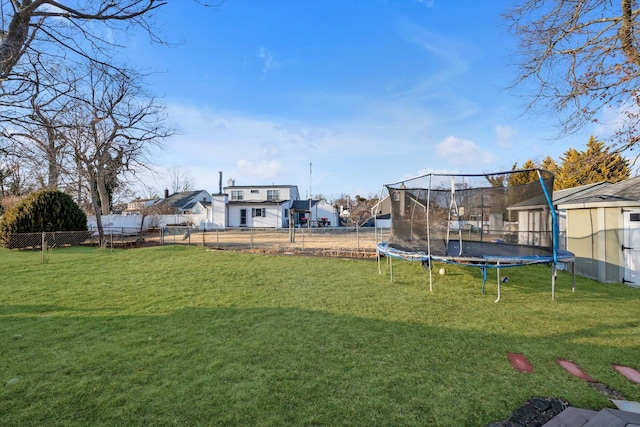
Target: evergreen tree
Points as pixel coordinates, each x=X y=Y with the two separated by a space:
x=595 y=164
x=497 y=180
x=524 y=177
x=45 y=210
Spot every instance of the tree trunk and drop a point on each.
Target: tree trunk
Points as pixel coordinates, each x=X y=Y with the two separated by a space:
x=96 y=209
x=52 y=159
x=105 y=201
x=14 y=40
x=626 y=32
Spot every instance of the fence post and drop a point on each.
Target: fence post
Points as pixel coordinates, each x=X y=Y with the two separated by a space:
x=44 y=247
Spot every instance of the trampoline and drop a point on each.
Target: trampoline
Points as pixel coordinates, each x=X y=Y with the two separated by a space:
x=496 y=220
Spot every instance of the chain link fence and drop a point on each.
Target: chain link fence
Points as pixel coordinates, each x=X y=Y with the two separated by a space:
x=46 y=239
x=343 y=241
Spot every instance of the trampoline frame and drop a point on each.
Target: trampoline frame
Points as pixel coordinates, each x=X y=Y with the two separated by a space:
x=483 y=262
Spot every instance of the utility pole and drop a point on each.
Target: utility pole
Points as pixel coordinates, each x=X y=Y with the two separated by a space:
x=309 y=221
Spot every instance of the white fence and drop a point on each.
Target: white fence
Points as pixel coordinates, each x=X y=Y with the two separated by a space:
x=151 y=221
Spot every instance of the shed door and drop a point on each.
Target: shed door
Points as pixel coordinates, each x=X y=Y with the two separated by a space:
x=631 y=247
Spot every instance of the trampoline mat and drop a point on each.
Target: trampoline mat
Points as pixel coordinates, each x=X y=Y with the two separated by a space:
x=473 y=249
x=484 y=250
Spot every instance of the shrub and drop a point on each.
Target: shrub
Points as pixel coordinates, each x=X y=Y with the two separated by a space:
x=45 y=210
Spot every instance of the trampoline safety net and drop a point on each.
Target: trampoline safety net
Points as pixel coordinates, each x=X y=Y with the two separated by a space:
x=502 y=215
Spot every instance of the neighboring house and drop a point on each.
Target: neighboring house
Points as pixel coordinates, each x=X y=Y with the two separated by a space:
x=319 y=212
x=274 y=206
x=186 y=202
x=217 y=217
x=381 y=213
x=134 y=207
x=603 y=231
x=259 y=205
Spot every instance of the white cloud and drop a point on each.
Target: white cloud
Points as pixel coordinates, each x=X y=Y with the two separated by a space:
x=457 y=150
x=259 y=171
x=505 y=135
x=428 y=3
x=268 y=63
x=452 y=54
x=614 y=119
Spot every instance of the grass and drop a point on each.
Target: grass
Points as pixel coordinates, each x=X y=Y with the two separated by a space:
x=184 y=336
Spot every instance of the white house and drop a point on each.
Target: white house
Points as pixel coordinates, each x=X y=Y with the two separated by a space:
x=259 y=205
x=319 y=212
x=274 y=206
x=217 y=214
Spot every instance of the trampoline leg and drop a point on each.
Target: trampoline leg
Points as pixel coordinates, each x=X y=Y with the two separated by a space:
x=484 y=276
x=391 y=269
x=553 y=282
x=573 y=279
x=498 y=272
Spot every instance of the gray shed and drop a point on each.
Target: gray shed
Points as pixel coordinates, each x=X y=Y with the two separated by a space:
x=602 y=228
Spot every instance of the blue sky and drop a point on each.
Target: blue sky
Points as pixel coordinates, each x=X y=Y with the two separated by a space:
x=367 y=91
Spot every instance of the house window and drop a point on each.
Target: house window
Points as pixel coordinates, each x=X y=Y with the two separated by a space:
x=273 y=195
x=255 y=191
x=258 y=212
x=236 y=195
x=634 y=217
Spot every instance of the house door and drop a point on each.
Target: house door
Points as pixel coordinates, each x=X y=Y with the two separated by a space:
x=631 y=247
x=243 y=217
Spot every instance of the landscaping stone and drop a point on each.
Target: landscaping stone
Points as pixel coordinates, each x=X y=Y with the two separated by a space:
x=536 y=412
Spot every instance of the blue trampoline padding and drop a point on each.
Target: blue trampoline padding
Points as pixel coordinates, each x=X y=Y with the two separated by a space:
x=483 y=253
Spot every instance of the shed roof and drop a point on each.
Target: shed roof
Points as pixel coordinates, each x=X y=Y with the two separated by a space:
x=566 y=196
x=625 y=192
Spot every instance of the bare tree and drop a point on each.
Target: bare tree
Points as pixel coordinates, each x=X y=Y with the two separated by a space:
x=31 y=119
x=13 y=179
x=582 y=57
x=153 y=212
x=114 y=125
x=181 y=179
x=60 y=28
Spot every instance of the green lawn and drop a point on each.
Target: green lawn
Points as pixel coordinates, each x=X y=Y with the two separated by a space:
x=184 y=336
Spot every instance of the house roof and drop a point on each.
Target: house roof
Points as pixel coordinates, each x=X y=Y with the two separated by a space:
x=621 y=193
x=182 y=200
x=303 y=205
x=560 y=196
x=195 y=202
